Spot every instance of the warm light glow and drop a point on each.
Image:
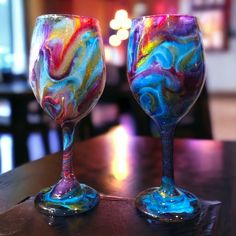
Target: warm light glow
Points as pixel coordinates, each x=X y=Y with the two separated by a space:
x=114 y=40
x=123 y=34
x=115 y=24
x=108 y=55
x=121 y=23
x=121 y=14
x=204 y=149
x=139 y=9
x=120 y=152
x=114 y=56
x=126 y=23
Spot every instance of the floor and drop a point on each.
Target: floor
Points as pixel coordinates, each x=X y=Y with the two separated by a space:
x=223 y=118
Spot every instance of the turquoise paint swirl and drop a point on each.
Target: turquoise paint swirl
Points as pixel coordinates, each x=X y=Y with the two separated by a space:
x=165 y=67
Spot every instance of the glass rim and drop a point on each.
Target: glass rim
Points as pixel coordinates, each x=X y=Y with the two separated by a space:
x=161 y=15
x=57 y=16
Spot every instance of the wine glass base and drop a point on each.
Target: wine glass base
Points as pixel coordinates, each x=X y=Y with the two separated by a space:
x=175 y=208
x=79 y=200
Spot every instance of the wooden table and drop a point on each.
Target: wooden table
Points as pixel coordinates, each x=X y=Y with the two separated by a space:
x=124 y=166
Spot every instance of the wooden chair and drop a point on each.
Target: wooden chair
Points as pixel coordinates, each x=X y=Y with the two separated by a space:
x=20 y=124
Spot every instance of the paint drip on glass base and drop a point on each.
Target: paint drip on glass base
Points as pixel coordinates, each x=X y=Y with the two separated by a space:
x=54 y=202
x=177 y=207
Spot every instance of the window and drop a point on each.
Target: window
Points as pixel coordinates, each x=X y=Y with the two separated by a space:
x=12 y=37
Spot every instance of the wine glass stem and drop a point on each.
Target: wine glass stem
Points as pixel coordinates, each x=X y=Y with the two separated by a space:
x=68 y=130
x=167 y=137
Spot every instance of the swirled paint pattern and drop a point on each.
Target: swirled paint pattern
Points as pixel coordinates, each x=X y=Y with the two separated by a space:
x=67 y=76
x=67 y=71
x=165 y=65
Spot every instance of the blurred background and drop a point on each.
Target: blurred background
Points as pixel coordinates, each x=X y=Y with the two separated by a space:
x=26 y=133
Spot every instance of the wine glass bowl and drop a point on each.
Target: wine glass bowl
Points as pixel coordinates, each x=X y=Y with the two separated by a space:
x=166 y=73
x=67 y=76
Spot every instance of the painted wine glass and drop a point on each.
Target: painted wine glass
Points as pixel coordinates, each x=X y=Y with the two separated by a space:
x=166 y=73
x=67 y=76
